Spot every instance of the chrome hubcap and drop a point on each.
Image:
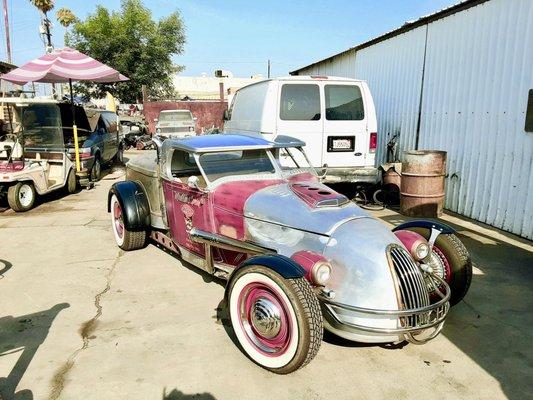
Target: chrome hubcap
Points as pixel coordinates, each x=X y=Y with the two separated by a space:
x=265 y=318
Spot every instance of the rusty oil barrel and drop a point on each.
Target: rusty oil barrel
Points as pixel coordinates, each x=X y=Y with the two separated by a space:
x=422 y=185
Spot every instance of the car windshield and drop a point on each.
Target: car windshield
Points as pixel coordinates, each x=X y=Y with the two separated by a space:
x=237 y=164
x=293 y=161
x=42 y=128
x=175 y=116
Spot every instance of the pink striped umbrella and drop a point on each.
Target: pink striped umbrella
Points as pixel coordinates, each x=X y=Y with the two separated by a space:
x=64 y=65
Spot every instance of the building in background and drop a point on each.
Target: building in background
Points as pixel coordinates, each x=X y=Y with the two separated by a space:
x=459 y=80
x=209 y=87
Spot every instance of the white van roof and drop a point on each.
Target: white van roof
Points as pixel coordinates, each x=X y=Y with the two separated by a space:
x=304 y=78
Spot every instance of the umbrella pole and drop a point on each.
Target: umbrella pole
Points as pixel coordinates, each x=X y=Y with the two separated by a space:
x=74 y=128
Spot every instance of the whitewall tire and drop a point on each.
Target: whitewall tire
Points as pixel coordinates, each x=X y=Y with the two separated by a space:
x=125 y=239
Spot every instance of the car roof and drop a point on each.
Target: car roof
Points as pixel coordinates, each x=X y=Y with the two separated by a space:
x=229 y=142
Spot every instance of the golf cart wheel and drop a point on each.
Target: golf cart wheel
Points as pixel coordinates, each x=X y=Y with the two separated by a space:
x=277 y=321
x=72 y=183
x=450 y=260
x=126 y=239
x=21 y=196
x=96 y=170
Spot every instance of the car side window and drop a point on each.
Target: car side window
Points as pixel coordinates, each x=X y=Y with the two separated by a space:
x=300 y=102
x=110 y=122
x=529 y=113
x=101 y=126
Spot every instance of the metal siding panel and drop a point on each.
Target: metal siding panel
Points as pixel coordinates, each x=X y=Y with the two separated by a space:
x=474 y=102
x=393 y=70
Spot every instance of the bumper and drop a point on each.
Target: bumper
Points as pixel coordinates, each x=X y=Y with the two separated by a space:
x=353 y=175
x=417 y=325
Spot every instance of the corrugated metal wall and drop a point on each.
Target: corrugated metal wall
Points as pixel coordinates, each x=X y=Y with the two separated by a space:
x=478 y=71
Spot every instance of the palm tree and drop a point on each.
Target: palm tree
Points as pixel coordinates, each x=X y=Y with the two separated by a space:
x=43 y=5
x=65 y=17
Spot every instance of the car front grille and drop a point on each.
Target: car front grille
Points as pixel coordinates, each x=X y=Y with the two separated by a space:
x=412 y=286
x=174 y=129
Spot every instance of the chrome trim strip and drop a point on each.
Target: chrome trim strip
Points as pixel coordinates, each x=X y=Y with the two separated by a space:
x=227 y=243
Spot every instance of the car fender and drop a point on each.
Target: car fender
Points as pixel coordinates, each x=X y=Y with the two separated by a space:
x=420 y=223
x=134 y=204
x=286 y=267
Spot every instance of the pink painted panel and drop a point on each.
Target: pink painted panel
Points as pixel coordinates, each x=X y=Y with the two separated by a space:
x=228 y=205
x=313 y=192
x=12 y=166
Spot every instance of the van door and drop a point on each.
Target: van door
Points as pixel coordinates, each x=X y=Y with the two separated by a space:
x=300 y=116
x=346 y=138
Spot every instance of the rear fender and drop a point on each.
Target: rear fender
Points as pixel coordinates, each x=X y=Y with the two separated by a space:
x=134 y=204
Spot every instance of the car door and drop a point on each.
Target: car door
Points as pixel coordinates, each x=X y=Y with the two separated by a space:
x=300 y=116
x=186 y=207
x=346 y=138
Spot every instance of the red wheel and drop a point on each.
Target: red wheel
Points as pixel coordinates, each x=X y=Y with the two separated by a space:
x=277 y=321
x=126 y=239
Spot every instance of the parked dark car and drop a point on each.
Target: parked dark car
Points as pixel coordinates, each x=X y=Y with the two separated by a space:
x=100 y=140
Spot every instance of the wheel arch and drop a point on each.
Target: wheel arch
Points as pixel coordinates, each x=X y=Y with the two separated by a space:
x=134 y=203
x=421 y=223
x=286 y=267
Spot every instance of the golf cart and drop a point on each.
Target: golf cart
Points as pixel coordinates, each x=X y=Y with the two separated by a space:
x=37 y=160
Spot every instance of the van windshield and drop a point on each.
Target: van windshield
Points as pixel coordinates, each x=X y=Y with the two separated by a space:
x=236 y=164
x=175 y=116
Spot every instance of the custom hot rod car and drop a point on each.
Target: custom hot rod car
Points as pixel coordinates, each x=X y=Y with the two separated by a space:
x=297 y=256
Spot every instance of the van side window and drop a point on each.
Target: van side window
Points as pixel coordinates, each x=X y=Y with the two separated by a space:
x=300 y=103
x=344 y=103
x=529 y=113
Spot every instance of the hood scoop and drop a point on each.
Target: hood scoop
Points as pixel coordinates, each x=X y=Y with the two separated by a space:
x=316 y=195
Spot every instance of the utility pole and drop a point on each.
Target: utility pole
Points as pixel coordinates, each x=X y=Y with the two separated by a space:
x=268 y=70
x=8 y=40
x=45 y=31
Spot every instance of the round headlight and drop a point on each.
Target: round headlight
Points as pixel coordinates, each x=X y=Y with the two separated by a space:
x=158 y=130
x=422 y=251
x=321 y=273
x=191 y=128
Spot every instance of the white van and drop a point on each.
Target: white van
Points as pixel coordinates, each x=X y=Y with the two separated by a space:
x=334 y=116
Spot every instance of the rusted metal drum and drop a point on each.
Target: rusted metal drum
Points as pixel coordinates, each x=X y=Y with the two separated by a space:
x=422 y=185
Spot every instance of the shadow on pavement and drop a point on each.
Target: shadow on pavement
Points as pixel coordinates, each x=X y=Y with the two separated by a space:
x=177 y=395
x=23 y=334
x=492 y=325
x=4 y=267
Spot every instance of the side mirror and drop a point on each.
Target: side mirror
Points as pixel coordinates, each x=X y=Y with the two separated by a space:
x=226 y=115
x=192 y=182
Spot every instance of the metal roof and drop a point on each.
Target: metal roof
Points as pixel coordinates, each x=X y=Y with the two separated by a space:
x=410 y=25
x=230 y=142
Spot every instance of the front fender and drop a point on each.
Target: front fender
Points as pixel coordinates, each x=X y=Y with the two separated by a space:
x=421 y=223
x=134 y=204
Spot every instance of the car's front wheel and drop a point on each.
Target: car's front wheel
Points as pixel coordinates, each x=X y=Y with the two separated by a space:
x=126 y=239
x=96 y=170
x=277 y=321
x=21 y=196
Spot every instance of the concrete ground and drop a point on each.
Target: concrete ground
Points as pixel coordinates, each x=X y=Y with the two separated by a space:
x=81 y=319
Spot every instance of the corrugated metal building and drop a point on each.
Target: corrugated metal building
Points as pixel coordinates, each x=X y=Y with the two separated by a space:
x=459 y=80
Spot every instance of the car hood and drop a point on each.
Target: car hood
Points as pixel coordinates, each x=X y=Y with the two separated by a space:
x=283 y=204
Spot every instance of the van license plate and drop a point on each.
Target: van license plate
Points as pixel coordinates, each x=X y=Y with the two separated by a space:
x=342 y=144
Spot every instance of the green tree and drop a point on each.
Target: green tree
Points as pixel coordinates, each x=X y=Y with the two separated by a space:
x=133 y=43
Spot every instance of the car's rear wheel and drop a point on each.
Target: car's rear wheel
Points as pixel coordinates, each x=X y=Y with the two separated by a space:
x=277 y=321
x=126 y=239
x=450 y=260
x=21 y=196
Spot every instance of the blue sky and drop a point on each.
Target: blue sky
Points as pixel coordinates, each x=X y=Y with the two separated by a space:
x=239 y=35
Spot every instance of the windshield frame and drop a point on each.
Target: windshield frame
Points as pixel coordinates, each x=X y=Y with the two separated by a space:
x=212 y=184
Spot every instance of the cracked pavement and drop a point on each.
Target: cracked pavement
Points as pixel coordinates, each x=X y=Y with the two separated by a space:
x=80 y=319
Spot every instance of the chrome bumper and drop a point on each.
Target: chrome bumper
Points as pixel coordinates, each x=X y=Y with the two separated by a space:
x=412 y=321
x=353 y=174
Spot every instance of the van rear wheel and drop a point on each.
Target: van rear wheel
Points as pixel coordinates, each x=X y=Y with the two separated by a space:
x=21 y=196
